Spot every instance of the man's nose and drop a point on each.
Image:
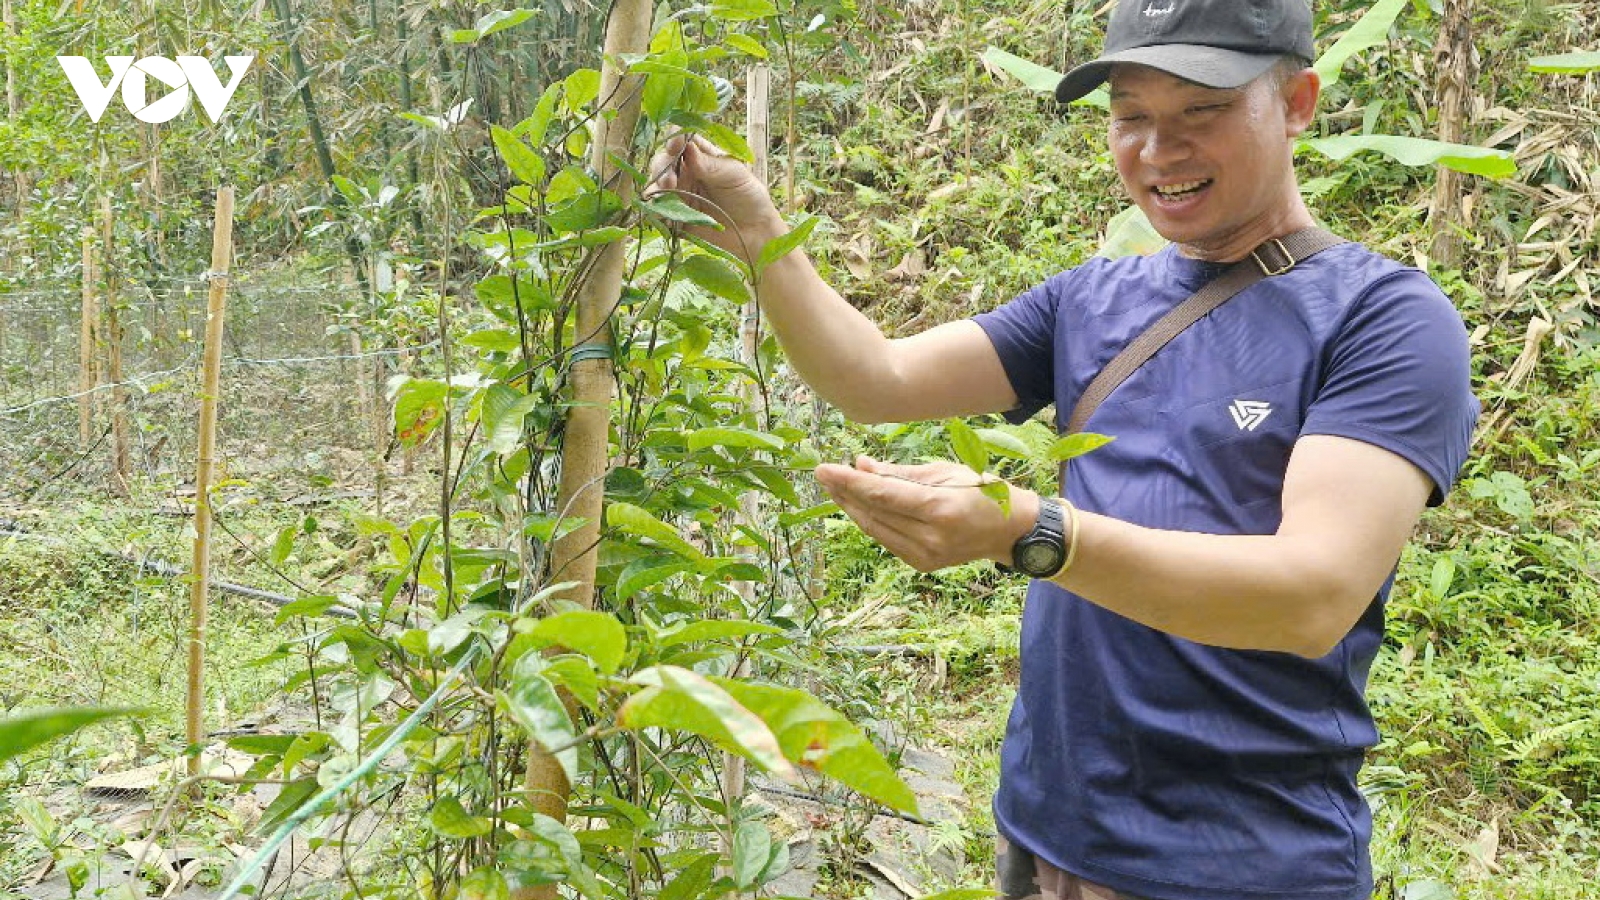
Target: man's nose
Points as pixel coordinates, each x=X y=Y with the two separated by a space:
x=1164 y=145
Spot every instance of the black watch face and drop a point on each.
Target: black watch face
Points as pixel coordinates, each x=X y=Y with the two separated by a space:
x=1039 y=558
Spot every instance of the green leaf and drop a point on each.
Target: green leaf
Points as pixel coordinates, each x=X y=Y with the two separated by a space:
x=558 y=836
x=715 y=629
x=24 y=731
x=485 y=883
x=1581 y=63
x=418 y=409
x=537 y=123
x=290 y=798
x=1033 y=76
x=597 y=635
x=1444 y=572
x=746 y=44
x=1369 y=31
x=790 y=519
x=1130 y=233
x=816 y=737
x=634 y=580
x=692 y=880
x=494 y=340
x=715 y=277
x=314 y=605
x=38 y=820
x=532 y=700
x=1075 y=445
x=779 y=247
x=1004 y=443
x=1412 y=151
x=752 y=847
x=1000 y=493
x=681 y=700
x=641 y=522
x=504 y=410
x=526 y=165
x=581 y=87
x=449 y=818
x=263 y=744
x=967 y=445
x=729 y=140
x=672 y=208
x=500 y=20
x=730 y=436
x=283 y=545
x=743 y=10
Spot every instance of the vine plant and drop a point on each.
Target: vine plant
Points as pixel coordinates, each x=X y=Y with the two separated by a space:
x=478 y=644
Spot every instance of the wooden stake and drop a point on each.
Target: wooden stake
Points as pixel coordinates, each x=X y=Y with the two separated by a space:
x=121 y=473
x=86 y=355
x=585 y=450
x=757 y=134
x=221 y=245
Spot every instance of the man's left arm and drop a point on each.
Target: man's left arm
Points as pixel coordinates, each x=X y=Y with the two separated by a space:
x=1348 y=508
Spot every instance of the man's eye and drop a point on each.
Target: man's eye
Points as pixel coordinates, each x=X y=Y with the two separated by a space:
x=1209 y=107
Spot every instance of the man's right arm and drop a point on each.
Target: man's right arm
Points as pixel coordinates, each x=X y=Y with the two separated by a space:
x=949 y=370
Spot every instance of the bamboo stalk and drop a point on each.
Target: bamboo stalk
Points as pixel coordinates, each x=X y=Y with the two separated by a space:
x=221 y=245
x=585 y=451
x=86 y=355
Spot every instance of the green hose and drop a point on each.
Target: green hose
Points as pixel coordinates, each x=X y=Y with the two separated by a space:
x=371 y=762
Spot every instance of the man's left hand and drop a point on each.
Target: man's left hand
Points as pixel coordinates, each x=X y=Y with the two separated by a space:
x=932 y=516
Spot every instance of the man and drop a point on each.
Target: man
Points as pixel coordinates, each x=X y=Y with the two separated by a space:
x=1191 y=712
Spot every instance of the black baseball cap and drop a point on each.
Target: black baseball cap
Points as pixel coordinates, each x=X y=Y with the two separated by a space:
x=1217 y=43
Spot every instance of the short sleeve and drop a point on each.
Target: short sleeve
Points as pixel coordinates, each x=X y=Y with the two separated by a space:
x=1398 y=376
x=1023 y=332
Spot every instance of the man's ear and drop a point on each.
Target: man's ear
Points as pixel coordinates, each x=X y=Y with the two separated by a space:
x=1300 y=93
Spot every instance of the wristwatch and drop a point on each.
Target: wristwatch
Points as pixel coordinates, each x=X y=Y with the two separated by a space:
x=1043 y=550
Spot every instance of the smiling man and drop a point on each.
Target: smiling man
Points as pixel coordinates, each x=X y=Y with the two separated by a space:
x=1209 y=588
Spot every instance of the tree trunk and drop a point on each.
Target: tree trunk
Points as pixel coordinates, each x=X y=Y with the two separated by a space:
x=1456 y=69
x=585 y=447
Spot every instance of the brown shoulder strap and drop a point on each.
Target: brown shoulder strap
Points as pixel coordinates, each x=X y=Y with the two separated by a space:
x=1275 y=257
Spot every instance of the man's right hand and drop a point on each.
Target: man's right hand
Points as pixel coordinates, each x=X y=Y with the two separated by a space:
x=711 y=181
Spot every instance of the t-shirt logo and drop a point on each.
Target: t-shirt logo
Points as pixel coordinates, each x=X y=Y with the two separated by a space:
x=1247 y=414
x=1154 y=10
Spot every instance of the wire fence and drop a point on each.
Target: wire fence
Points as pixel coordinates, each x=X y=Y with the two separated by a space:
x=301 y=391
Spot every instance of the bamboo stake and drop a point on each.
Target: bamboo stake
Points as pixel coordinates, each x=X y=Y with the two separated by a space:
x=86 y=355
x=120 y=469
x=585 y=451
x=221 y=245
x=757 y=134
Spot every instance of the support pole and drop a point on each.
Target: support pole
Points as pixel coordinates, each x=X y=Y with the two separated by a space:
x=89 y=315
x=221 y=245
x=121 y=469
x=585 y=448
x=757 y=134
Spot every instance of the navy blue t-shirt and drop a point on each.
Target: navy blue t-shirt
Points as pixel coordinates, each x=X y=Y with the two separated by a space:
x=1150 y=763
